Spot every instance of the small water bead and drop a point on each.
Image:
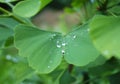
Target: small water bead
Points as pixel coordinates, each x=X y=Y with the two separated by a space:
x=88 y=29
x=53 y=36
x=63 y=44
x=59 y=46
x=106 y=52
x=15 y=60
x=57 y=41
x=8 y=57
x=63 y=51
x=74 y=36
x=48 y=66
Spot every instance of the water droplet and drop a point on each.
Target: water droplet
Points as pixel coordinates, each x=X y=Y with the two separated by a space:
x=63 y=44
x=63 y=51
x=88 y=29
x=57 y=41
x=74 y=36
x=48 y=66
x=8 y=57
x=59 y=46
x=106 y=52
x=15 y=60
x=54 y=34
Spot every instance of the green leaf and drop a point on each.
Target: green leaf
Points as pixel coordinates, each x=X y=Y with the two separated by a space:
x=115 y=10
x=44 y=49
x=6 y=29
x=106 y=69
x=105 y=35
x=66 y=78
x=29 y=8
x=39 y=47
x=4 y=34
x=14 y=69
x=79 y=48
x=114 y=79
x=8 y=22
x=100 y=60
x=44 y=3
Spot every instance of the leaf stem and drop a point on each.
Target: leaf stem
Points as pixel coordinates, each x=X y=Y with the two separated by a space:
x=4 y=11
x=12 y=15
x=9 y=4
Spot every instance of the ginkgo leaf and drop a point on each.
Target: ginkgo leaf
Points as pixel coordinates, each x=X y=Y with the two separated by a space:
x=79 y=49
x=105 y=35
x=29 y=8
x=40 y=47
x=6 y=29
x=44 y=49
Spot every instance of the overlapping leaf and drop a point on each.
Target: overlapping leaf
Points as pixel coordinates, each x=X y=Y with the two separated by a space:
x=79 y=48
x=105 y=35
x=40 y=47
x=29 y=8
x=44 y=49
x=6 y=29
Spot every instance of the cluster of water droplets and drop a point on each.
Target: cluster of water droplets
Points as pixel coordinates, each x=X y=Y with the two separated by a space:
x=61 y=45
x=10 y=58
x=53 y=36
x=50 y=62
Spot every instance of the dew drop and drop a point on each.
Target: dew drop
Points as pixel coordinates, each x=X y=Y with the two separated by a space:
x=74 y=36
x=57 y=41
x=15 y=60
x=54 y=34
x=59 y=46
x=8 y=57
x=63 y=44
x=106 y=52
x=63 y=51
x=48 y=66
x=88 y=29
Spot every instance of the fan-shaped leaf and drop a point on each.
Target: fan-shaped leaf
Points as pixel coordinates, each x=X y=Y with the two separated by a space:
x=105 y=33
x=40 y=47
x=79 y=48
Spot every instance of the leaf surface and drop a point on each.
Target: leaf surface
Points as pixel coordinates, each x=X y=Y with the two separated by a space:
x=105 y=35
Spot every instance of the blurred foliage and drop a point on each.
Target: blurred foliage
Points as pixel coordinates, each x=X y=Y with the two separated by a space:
x=88 y=54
